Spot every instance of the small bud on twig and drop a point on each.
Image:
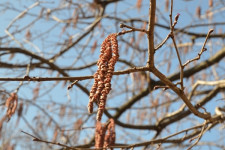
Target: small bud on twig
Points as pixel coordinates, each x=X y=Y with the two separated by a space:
x=177 y=17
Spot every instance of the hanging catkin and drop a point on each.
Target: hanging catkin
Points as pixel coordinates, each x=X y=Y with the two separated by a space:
x=102 y=84
x=105 y=134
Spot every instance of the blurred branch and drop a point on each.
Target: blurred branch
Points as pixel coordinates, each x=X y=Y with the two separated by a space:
x=178 y=140
x=90 y=28
x=48 y=62
x=204 y=129
x=203 y=65
x=36 y=139
x=39 y=79
x=177 y=30
x=187 y=73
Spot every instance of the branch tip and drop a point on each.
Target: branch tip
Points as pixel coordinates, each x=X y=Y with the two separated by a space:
x=177 y=17
x=210 y=31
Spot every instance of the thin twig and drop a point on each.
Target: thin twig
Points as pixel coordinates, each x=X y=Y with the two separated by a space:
x=124 y=32
x=162 y=43
x=163 y=87
x=132 y=28
x=72 y=84
x=212 y=83
x=172 y=25
x=27 y=73
x=89 y=29
x=175 y=45
x=48 y=142
x=41 y=79
x=199 y=136
x=158 y=141
x=22 y=14
x=199 y=82
x=202 y=50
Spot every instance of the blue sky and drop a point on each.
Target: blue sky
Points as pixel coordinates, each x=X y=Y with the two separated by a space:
x=77 y=99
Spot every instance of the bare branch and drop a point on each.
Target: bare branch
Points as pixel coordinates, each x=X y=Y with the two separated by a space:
x=202 y=50
x=150 y=35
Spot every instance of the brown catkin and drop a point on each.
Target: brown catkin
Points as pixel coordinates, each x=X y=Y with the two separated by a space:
x=99 y=134
x=105 y=134
x=210 y=3
x=110 y=136
x=102 y=84
x=198 y=12
x=167 y=3
x=11 y=104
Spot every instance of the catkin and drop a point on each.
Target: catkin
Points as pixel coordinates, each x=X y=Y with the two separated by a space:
x=105 y=134
x=100 y=131
x=11 y=104
x=110 y=135
x=102 y=84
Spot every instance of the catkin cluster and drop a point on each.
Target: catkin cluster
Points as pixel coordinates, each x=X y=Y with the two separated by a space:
x=102 y=84
x=105 y=134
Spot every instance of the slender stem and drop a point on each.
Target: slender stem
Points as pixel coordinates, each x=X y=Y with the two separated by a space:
x=202 y=50
x=132 y=28
x=150 y=33
x=163 y=42
x=171 y=14
x=204 y=129
x=172 y=25
x=180 y=63
x=40 y=79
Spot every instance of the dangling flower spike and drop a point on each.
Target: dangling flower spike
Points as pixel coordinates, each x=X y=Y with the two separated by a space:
x=102 y=84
